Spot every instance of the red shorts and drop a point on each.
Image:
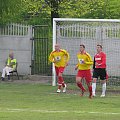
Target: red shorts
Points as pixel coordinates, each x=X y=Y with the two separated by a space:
x=59 y=70
x=85 y=74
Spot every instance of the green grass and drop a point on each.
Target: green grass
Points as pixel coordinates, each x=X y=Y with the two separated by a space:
x=40 y=102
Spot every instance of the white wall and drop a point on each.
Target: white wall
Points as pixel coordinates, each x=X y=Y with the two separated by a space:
x=21 y=46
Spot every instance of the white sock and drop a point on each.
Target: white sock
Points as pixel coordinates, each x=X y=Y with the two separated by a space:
x=93 y=88
x=103 y=88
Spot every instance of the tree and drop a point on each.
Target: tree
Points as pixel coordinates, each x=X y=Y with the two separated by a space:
x=41 y=11
x=54 y=5
x=9 y=10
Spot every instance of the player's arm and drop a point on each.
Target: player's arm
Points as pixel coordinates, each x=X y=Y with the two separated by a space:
x=94 y=63
x=67 y=56
x=90 y=61
x=51 y=57
x=76 y=67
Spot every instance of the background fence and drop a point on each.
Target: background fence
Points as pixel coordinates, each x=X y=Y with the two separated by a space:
x=30 y=45
x=16 y=37
x=40 y=50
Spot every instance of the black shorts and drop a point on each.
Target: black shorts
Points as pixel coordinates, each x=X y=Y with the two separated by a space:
x=99 y=72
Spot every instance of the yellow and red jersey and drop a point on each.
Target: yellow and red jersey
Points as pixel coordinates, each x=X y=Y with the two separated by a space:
x=87 y=61
x=59 y=58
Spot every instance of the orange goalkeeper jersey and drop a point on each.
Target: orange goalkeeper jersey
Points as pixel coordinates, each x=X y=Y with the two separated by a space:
x=87 y=61
x=59 y=58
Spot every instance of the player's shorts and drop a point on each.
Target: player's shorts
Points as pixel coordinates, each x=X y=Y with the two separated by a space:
x=59 y=70
x=100 y=72
x=85 y=74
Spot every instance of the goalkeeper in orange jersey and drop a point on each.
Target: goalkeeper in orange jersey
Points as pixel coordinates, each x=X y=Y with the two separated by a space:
x=84 y=70
x=60 y=58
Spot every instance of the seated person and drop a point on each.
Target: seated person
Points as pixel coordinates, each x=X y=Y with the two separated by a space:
x=10 y=66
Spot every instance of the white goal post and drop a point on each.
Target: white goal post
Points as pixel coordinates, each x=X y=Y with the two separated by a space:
x=70 y=33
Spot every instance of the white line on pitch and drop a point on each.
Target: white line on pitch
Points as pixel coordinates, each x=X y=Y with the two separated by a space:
x=53 y=111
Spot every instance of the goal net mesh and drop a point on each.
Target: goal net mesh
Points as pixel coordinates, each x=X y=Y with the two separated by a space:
x=70 y=34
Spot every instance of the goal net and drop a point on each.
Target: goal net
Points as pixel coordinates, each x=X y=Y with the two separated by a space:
x=70 y=33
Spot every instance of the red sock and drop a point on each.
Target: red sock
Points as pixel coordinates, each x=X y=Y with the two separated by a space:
x=63 y=84
x=90 y=89
x=81 y=86
x=59 y=86
x=61 y=81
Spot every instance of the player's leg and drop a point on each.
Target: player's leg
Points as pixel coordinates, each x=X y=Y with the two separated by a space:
x=61 y=80
x=94 y=86
x=89 y=84
x=107 y=77
x=61 y=70
x=103 y=81
x=59 y=85
x=79 y=77
x=95 y=77
x=103 y=88
x=88 y=78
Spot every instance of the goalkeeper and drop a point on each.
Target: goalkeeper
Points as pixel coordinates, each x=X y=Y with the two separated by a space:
x=83 y=66
x=60 y=59
x=99 y=70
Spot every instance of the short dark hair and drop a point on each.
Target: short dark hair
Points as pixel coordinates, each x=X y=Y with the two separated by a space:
x=82 y=45
x=99 y=45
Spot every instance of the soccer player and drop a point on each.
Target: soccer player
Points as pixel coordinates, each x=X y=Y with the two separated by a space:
x=99 y=70
x=60 y=58
x=84 y=70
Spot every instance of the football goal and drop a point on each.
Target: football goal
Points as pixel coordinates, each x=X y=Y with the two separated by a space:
x=70 y=33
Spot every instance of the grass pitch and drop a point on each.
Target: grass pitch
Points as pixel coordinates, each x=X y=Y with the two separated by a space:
x=41 y=102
